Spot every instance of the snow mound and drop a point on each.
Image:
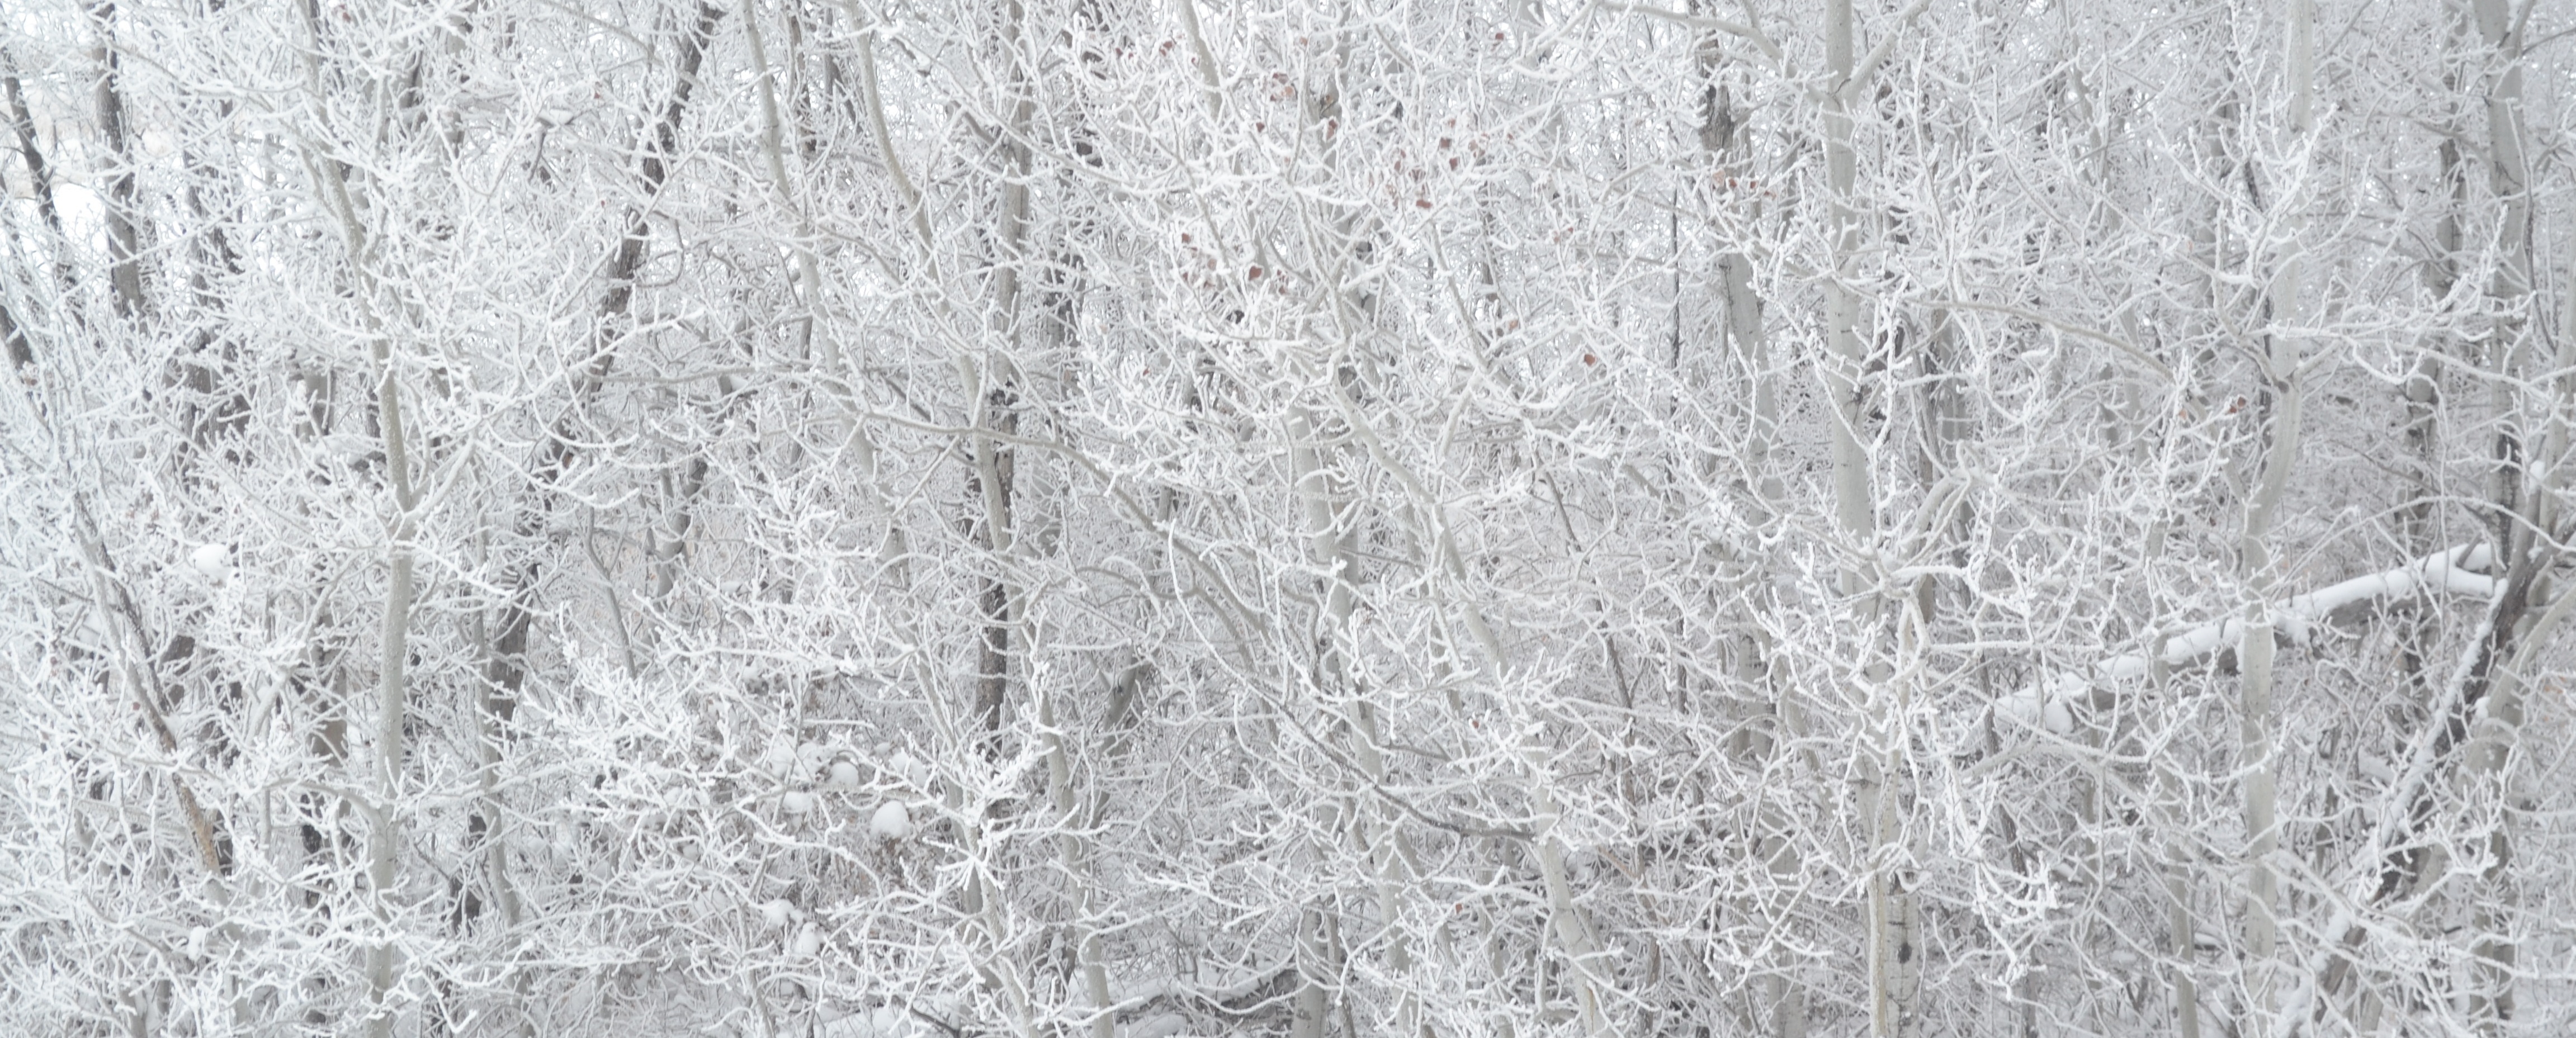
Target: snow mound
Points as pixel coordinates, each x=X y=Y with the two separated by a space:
x=891 y=822
x=2049 y=705
x=213 y=561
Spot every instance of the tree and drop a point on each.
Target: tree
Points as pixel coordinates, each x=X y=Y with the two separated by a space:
x=1037 y=515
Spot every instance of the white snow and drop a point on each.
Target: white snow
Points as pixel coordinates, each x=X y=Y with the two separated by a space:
x=844 y=773
x=891 y=822
x=810 y=757
x=912 y=770
x=809 y=939
x=797 y=801
x=887 y=1021
x=776 y=913
x=214 y=561
x=779 y=761
x=2051 y=710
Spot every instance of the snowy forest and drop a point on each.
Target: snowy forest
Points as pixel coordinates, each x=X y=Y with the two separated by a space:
x=1428 y=518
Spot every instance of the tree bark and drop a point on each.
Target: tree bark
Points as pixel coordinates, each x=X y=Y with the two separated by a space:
x=124 y=244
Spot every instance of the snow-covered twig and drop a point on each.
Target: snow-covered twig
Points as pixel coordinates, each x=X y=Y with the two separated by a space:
x=2454 y=570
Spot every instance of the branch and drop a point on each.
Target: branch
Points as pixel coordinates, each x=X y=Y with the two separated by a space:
x=2078 y=331
x=1868 y=68
x=2450 y=570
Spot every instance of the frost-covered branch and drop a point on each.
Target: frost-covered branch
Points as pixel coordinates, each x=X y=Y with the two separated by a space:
x=2455 y=570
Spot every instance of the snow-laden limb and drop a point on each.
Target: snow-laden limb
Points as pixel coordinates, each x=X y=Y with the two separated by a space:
x=2455 y=570
x=2033 y=706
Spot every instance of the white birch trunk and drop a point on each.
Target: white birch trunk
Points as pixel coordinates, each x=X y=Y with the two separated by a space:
x=2500 y=714
x=1847 y=340
x=2255 y=653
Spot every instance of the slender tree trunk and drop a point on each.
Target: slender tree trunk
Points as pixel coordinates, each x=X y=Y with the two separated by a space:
x=992 y=388
x=1309 y=1010
x=2181 y=936
x=2255 y=656
x=124 y=241
x=1846 y=331
x=2500 y=715
x=1847 y=341
x=507 y=668
x=113 y=599
x=1073 y=853
x=505 y=645
x=1765 y=712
